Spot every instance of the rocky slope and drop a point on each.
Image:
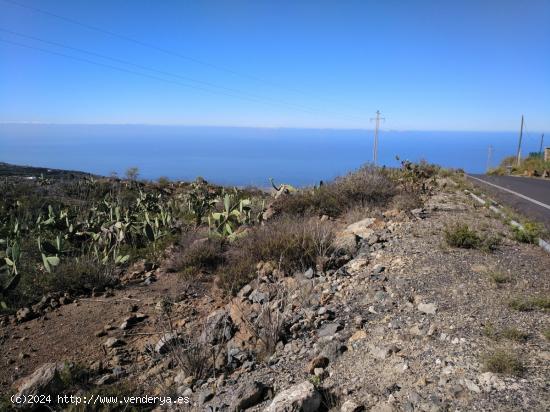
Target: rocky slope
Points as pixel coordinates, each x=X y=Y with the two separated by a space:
x=395 y=321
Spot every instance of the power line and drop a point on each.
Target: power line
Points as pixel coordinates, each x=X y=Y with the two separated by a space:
x=109 y=66
x=157 y=48
x=234 y=92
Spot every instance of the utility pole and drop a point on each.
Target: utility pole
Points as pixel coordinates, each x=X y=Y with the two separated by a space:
x=541 y=144
x=375 y=146
x=489 y=157
x=518 y=159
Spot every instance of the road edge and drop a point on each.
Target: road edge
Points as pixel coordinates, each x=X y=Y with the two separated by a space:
x=544 y=244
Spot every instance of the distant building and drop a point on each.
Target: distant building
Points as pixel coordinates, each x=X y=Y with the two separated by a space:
x=547 y=154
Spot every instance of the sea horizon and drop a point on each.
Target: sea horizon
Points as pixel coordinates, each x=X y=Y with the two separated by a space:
x=235 y=155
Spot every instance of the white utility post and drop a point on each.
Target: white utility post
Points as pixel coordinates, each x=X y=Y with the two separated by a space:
x=518 y=157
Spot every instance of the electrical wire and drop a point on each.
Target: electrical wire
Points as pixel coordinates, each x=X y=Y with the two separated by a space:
x=162 y=72
x=149 y=76
x=163 y=50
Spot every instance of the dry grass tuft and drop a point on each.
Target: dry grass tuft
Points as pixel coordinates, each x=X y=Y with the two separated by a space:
x=499 y=278
x=503 y=361
x=529 y=303
x=514 y=334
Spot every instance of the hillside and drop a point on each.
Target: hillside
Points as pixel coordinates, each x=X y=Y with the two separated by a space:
x=7 y=169
x=383 y=291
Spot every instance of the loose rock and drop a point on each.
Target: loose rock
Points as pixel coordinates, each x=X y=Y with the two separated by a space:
x=302 y=397
x=428 y=308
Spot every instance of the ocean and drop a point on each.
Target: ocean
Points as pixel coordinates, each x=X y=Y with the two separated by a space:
x=243 y=156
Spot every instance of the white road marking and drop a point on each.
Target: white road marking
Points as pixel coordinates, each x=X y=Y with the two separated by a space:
x=514 y=193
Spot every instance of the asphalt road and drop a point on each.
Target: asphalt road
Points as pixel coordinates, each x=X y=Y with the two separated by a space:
x=528 y=196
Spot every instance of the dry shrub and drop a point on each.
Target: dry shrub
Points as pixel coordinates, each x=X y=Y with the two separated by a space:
x=319 y=201
x=503 y=361
x=199 y=255
x=515 y=334
x=499 y=278
x=79 y=275
x=194 y=356
x=293 y=245
x=238 y=269
x=366 y=186
x=74 y=275
x=268 y=325
x=268 y=329
x=460 y=235
x=530 y=303
x=406 y=201
x=357 y=213
x=322 y=235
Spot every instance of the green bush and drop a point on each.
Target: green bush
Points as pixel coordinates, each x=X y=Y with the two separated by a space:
x=503 y=361
x=532 y=165
x=461 y=236
x=529 y=234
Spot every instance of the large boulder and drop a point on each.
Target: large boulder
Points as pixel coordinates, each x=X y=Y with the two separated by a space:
x=43 y=381
x=302 y=397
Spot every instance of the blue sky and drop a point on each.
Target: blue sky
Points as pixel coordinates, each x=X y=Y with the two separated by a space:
x=427 y=65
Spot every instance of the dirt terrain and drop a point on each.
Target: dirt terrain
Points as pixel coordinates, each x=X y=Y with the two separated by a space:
x=406 y=323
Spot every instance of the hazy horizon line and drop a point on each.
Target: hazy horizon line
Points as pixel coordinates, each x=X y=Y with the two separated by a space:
x=249 y=127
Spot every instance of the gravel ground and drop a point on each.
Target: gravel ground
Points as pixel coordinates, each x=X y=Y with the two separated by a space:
x=406 y=325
